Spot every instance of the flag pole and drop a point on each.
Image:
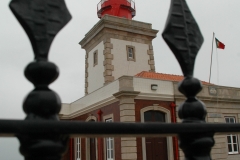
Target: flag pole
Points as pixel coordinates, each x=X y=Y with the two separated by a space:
x=211 y=58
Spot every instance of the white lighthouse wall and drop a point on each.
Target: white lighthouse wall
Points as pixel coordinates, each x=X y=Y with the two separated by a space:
x=124 y=67
x=95 y=73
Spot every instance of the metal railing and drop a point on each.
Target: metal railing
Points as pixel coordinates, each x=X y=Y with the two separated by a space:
x=100 y=5
x=43 y=136
x=132 y=4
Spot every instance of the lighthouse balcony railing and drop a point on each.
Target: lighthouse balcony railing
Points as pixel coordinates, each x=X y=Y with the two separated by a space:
x=132 y=3
x=104 y=3
x=101 y=4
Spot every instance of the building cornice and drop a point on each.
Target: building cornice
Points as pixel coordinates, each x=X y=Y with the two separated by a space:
x=126 y=93
x=90 y=108
x=209 y=98
x=120 y=24
x=159 y=97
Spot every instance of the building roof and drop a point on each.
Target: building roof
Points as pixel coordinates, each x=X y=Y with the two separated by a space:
x=162 y=76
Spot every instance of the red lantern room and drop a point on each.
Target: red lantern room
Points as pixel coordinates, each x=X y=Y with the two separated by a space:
x=119 y=8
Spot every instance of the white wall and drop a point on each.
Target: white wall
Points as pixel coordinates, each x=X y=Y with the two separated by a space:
x=95 y=73
x=101 y=95
x=96 y=96
x=124 y=67
x=104 y=95
x=144 y=86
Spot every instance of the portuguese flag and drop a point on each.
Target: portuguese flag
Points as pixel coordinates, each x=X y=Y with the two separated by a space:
x=219 y=44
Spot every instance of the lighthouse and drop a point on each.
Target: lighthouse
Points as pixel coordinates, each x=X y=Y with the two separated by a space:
x=117 y=49
x=116 y=45
x=119 y=8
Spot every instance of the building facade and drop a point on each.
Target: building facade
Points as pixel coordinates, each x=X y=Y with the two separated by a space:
x=121 y=86
x=133 y=99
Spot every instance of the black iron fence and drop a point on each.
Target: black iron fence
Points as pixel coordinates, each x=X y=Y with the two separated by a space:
x=43 y=136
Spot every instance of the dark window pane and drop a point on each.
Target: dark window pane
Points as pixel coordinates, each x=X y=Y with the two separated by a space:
x=111 y=143
x=234 y=139
x=95 y=58
x=232 y=120
x=159 y=117
x=111 y=153
x=148 y=116
x=229 y=139
x=227 y=120
x=229 y=147
x=154 y=116
x=130 y=52
x=235 y=148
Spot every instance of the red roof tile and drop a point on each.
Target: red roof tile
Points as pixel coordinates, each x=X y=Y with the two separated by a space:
x=162 y=76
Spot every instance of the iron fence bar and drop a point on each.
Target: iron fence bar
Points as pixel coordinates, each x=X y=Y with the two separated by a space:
x=41 y=20
x=99 y=129
x=184 y=38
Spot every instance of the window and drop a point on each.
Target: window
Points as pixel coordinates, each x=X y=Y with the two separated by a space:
x=78 y=148
x=95 y=58
x=109 y=145
x=91 y=144
x=131 y=53
x=232 y=139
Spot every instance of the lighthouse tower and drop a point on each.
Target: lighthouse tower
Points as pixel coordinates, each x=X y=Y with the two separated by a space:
x=117 y=45
x=119 y=8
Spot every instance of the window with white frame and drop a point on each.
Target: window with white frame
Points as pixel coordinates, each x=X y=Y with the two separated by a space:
x=78 y=149
x=232 y=139
x=109 y=145
x=131 y=53
x=95 y=58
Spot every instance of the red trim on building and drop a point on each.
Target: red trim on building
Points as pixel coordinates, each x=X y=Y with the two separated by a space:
x=100 y=140
x=175 y=140
x=71 y=148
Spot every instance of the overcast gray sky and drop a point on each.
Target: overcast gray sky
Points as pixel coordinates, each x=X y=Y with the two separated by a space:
x=219 y=16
